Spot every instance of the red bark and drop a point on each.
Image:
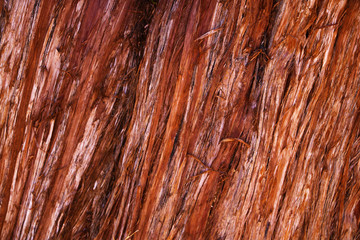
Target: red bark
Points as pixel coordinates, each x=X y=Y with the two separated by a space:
x=183 y=119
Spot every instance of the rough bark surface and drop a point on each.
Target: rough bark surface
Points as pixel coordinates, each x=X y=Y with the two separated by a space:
x=179 y=119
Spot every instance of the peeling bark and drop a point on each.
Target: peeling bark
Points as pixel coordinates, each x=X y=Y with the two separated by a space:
x=180 y=119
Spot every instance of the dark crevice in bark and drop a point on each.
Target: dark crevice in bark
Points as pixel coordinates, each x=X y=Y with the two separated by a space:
x=4 y=16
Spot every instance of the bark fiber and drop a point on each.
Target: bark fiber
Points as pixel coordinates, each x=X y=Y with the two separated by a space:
x=179 y=119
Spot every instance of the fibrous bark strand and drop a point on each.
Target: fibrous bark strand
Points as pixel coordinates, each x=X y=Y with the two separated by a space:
x=181 y=119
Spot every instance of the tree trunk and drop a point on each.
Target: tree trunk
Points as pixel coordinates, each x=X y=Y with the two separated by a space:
x=180 y=119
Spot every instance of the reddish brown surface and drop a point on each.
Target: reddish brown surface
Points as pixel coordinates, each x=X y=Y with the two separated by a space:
x=181 y=119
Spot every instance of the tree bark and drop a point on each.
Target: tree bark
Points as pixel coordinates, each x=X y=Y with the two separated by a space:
x=180 y=119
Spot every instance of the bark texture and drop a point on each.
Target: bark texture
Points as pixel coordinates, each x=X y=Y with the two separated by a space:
x=179 y=119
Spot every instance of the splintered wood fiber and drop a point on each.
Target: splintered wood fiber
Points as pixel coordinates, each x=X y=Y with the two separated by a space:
x=179 y=119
